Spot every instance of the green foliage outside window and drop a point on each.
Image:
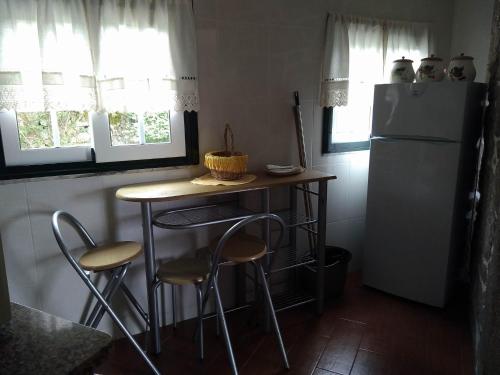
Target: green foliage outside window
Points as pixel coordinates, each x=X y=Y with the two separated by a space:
x=124 y=128
x=73 y=128
x=34 y=130
x=157 y=127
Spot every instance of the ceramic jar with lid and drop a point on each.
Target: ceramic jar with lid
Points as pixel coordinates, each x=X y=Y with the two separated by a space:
x=431 y=69
x=461 y=68
x=402 y=71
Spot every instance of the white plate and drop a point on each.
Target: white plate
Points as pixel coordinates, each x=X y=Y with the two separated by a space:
x=285 y=172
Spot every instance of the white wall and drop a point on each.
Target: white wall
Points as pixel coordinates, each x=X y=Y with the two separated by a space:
x=252 y=56
x=471 y=32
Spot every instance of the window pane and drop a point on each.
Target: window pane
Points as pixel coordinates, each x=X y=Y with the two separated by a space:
x=34 y=130
x=352 y=123
x=157 y=127
x=124 y=128
x=74 y=128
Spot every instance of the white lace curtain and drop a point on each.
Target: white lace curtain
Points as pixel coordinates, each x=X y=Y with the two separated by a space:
x=361 y=50
x=407 y=39
x=335 y=77
x=113 y=55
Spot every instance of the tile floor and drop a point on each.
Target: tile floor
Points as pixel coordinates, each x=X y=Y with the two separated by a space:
x=364 y=332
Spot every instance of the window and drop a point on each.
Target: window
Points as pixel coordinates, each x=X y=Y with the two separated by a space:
x=138 y=136
x=359 y=54
x=30 y=138
x=90 y=86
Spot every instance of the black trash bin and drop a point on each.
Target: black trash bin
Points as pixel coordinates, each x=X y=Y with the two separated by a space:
x=336 y=264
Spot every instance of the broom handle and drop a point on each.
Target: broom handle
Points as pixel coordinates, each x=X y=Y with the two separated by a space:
x=303 y=163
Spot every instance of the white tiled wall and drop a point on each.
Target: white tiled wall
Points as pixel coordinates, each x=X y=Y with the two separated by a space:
x=252 y=56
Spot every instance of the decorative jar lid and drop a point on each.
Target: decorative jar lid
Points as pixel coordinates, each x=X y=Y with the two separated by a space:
x=403 y=60
x=432 y=58
x=462 y=57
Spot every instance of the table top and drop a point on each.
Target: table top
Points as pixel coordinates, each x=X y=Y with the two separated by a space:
x=35 y=342
x=180 y=189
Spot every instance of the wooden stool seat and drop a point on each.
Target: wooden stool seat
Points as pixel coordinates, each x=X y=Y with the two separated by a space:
x=110 y=256
x=243 y=248
x=184 y=271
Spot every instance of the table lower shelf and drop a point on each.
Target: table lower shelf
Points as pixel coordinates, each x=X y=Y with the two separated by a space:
x=199 y=216
x=288 y=300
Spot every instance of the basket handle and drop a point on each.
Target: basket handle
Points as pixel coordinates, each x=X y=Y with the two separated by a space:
x=228 y=139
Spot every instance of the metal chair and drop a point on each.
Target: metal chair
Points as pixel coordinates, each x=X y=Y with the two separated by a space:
x=232 y=249
x=114 y=258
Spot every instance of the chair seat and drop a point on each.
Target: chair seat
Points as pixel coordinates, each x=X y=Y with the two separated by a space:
x=242 y=248
x=183 y=271
x=110 y=256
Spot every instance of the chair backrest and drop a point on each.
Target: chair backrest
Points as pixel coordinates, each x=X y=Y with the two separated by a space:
x=216 y=255
x=240 y=225
x=57 y=218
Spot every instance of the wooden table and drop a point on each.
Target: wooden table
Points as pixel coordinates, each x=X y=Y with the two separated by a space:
x=175 y=190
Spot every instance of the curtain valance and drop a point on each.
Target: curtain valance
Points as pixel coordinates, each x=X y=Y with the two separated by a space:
x=335 y=82
x=361 y=50
x=113 y=55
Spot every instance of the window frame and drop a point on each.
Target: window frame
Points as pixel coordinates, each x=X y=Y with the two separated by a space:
x=57 y=169
x=12 y=152
x=329 y=147
x=106 y=152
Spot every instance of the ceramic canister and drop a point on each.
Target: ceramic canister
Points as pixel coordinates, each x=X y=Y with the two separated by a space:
x=402 y=71
x=431 y=69
x=461 y=68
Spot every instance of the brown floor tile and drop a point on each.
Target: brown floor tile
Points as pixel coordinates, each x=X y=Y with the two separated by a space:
x=340 y=352
x=363 y=332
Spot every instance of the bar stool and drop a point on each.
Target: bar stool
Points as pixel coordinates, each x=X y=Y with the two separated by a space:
x=114 y=258
x=233 y=248
x=186 y=271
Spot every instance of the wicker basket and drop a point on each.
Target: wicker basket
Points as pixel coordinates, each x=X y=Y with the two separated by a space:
x=227 y=165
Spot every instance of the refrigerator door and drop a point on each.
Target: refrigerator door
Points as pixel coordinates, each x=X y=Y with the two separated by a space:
x=410 y=215
x=420 y=110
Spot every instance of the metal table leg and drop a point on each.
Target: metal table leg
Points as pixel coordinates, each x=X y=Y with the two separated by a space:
x=322 y=201
x=266 y=208
x=292 y=237
x=150 y=265
x=293 y=219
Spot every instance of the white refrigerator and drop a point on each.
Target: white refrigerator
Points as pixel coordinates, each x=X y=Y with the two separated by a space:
x=420 y=173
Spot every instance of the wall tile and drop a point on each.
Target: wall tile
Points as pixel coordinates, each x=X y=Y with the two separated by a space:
x=338 y=191
x=297 y=12
x=243 y=12
x=242 y=63
x=293 y=61
x=57 y=281
x=204 y=9
x=208 y=85
x=17 y=244
x=358 y=183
